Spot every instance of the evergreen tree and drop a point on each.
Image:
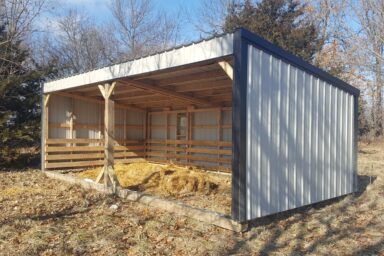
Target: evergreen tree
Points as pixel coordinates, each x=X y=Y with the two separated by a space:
x=282 y=22
x=364 y=127
x=19 y=104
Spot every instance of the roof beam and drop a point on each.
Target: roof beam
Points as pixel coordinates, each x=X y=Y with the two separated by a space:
x=198 y=77
x=162 y=91
x=227 y=68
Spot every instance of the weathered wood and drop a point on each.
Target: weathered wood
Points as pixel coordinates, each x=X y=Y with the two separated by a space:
x=178 y=208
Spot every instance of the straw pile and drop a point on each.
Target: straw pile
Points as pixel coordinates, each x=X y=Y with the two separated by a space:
x=164 y=179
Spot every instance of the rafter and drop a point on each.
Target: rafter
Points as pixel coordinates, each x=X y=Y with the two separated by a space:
x=166 y=92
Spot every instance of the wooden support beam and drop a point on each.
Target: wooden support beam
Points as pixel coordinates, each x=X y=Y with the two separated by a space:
x=108 y=172
x=227 y=68
x=166 y=92
x=199 y=77
x=46 y=99
x=45 y=128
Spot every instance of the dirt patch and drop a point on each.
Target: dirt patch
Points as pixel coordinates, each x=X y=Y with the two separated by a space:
x=42 y=216
x=194 y=186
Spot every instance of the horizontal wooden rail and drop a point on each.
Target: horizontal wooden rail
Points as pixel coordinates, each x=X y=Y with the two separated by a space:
x=90 y=141
x=192 y=150
x=192 y=142
x=93 y=126
x=88 y=164
x=88 y=153
x=91 y=156
x=77 y=141
x=190 y=157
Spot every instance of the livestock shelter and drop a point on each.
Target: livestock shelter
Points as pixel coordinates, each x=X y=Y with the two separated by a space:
x=284 y=129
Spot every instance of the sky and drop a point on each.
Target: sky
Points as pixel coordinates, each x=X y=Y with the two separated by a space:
x=99 y=11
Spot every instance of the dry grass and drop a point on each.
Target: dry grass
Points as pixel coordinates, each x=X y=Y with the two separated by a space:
x=46 y=217
x=192 y=186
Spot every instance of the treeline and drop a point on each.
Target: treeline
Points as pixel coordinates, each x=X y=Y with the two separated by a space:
x=345 y=38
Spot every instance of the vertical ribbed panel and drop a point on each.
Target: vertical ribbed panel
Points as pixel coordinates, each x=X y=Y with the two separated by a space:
x=299 y=137
x=91 y=114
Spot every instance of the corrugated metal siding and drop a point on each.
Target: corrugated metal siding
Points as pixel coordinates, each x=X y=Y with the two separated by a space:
x=299 y=137
x=59 y=113
x=86 y=112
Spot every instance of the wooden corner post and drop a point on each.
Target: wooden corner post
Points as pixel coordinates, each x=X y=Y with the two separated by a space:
x=45 y=130
x=108 y=171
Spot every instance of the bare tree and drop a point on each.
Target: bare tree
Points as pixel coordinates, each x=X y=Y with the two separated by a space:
x=370 y=39
x=141 y=29
x=18 y=16
x=211 y=16
x=79 y=45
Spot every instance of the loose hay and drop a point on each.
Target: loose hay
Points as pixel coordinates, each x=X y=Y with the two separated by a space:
x=194 y=186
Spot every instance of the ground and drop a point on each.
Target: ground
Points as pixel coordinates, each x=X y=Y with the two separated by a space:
x=40 y=216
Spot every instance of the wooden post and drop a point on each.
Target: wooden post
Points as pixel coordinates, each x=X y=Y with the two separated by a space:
x=108 y=171
x=45 y=128
x=147 y=133
x=219 y=131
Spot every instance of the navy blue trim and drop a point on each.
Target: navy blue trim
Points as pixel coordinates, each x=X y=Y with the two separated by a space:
x=280 y=53
x=239 y=122
x=355 y=140
x=42 y=130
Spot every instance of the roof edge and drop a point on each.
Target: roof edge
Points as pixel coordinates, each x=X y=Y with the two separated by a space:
x=279 y=52
x=215 y=47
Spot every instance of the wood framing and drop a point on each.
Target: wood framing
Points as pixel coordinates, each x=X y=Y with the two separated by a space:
x=108 y=172
x=227 y=68
x=165 y=92
x=45 y=129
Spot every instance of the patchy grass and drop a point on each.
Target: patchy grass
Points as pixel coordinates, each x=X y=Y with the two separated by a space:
x=40 y=216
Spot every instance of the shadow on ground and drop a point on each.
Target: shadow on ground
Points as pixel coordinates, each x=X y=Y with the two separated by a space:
x=295 y=231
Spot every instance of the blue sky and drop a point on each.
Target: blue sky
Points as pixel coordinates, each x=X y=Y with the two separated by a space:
x=99 y=10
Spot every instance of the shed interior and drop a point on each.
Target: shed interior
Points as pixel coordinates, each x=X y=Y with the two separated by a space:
x=181 y=115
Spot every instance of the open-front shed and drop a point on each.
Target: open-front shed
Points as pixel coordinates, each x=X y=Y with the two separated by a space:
x=283 y=128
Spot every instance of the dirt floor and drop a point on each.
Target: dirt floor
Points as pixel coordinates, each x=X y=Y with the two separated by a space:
x=192 y=186
x=41 y=216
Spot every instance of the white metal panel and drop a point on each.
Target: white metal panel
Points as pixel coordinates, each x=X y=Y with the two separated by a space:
x=299 y=137
x=205 y=50
x=59 y=113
